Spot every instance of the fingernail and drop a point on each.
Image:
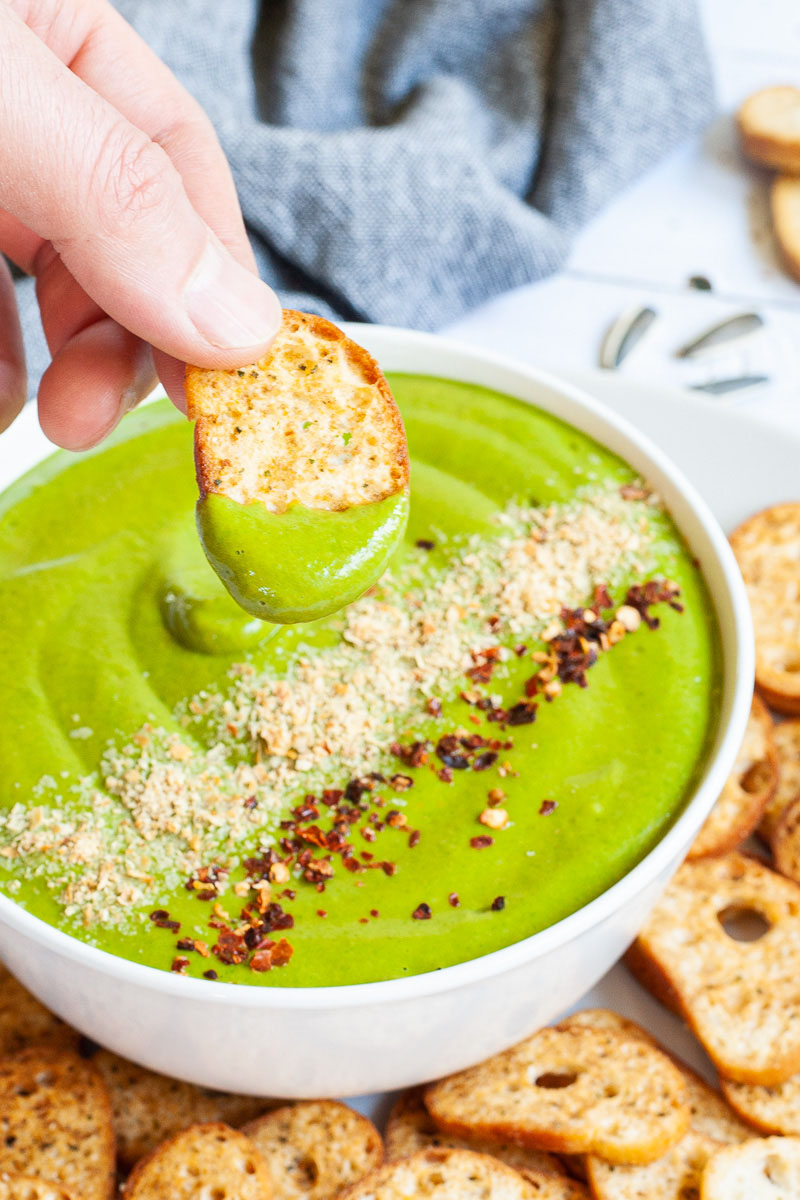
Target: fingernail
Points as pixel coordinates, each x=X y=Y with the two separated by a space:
x=228 y=305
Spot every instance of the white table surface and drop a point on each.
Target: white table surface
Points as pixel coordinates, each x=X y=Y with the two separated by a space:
x=703 y=211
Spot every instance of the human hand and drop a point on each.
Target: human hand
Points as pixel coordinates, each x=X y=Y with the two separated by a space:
x=115 y=194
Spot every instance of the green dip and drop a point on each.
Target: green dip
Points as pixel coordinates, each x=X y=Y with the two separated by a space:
x=112 y=620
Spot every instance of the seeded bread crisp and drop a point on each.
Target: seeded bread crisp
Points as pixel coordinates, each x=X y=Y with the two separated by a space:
x=316 y=1149
x=741 y=997
x=773 y=1109
x=786 y=737
x=710 y=1115
x=311 y=423
x=55 y=1122
x=764 y=1169
x=455 y=1175
x=767 y=549
x=747 y=790
x=676 y=1176
x=411 y=1128
x=570 y=1090
x=23 y=1187
x=24 y=1021
x=769 y=128
x=204 y=1162
x=785 y=206
x=149 y=1108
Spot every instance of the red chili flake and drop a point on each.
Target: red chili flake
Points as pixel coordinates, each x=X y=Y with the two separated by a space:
x=631 y=491
x=332 y=796
x=445 y=774
x=481 y=842
x=161 y=918
x=272 y=955
x=522 y=713
x=602 y=597
x=413 y=838
x=231 y=947
x=434 y=707
x=401 y=783
x=367 y=833
x=448 y=750
x=422 y=912
x=498 y=904
x=424 y=544
x=453 y=900
x=373 y=912
x=318 y=870
x=493 y=621
x=288 y=894
x=396 y=820
x=251 y=802
x=480 y=673
x=520 y=650
x=366 y=856
x=475 y=720
x=180 y=966
x=208 y=894
x=321 y=912
x=363 y=920
x=484 y=761
x=185 y=944
x=547 y=807
x=388 y=868
x=413 y=755
x=210 y=974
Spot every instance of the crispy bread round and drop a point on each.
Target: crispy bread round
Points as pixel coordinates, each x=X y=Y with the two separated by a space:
x=762 y=1169
x=312 y=423
x=747 y=791
x=458 y=1175
x=773 y=1109
x=200 y=1163
x=769 y=128
x=411 y=1128
x=675 y=1176
x=24 y=1187
x=737 y=985
x=786 y=739
x=316 y=1148
x=785 y=208
x=571 y=1090
x=55 y=1121
x=25 y=1022
x=767 y=549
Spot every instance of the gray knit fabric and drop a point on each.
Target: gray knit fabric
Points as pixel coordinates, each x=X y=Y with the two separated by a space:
x=403 y=160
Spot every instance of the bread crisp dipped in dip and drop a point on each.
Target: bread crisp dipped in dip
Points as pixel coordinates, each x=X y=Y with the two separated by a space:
x=302 y=467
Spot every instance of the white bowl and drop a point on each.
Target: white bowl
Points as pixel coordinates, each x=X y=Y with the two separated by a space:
x=297 y=1042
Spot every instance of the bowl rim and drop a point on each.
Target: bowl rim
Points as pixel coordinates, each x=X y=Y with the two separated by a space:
x=737 y=680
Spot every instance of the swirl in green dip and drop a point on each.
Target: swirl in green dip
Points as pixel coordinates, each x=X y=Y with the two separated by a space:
x=152 y=731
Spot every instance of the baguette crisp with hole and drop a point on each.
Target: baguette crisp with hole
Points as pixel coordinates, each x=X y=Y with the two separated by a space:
x=785 y=208
x=767 y=549
x=710 y=1115
x=149 y=1108
x=741 y=998
x=411 y=1128
x=457 y=1175
x=203 y=1162
x=786 y=736
x=569 y=1090
x=24 y=1187
x=763 y=1169
x=55 y=1121
x=769 y=128
x=747 y=791
x=311 y=423
x=676 y=1176
x=316 y=1148
x=24 y=1021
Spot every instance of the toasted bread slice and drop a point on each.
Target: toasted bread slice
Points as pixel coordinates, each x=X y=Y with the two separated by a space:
x=676 y=1176
x=786 y=843
x=24 y=1187
x=457 y=1175
x=411 y=1128
x=316 y=1149
x=311 y=423
x=767 y=548
x=747 y=791
x=710 y=1115
x=25 y=1022
x=204 y=1162
x=55 y=1121
x=763 y=1169
x=786 y=738
x=569 y=1090
x=769 y=128
x=149 y=1108
x=741 y=997
x=773 y=1109
x=785 y=207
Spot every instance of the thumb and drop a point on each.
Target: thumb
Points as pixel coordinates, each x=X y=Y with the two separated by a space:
x=115 y=209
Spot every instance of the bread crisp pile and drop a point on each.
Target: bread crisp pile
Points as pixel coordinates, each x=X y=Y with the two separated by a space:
x=769 y=132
